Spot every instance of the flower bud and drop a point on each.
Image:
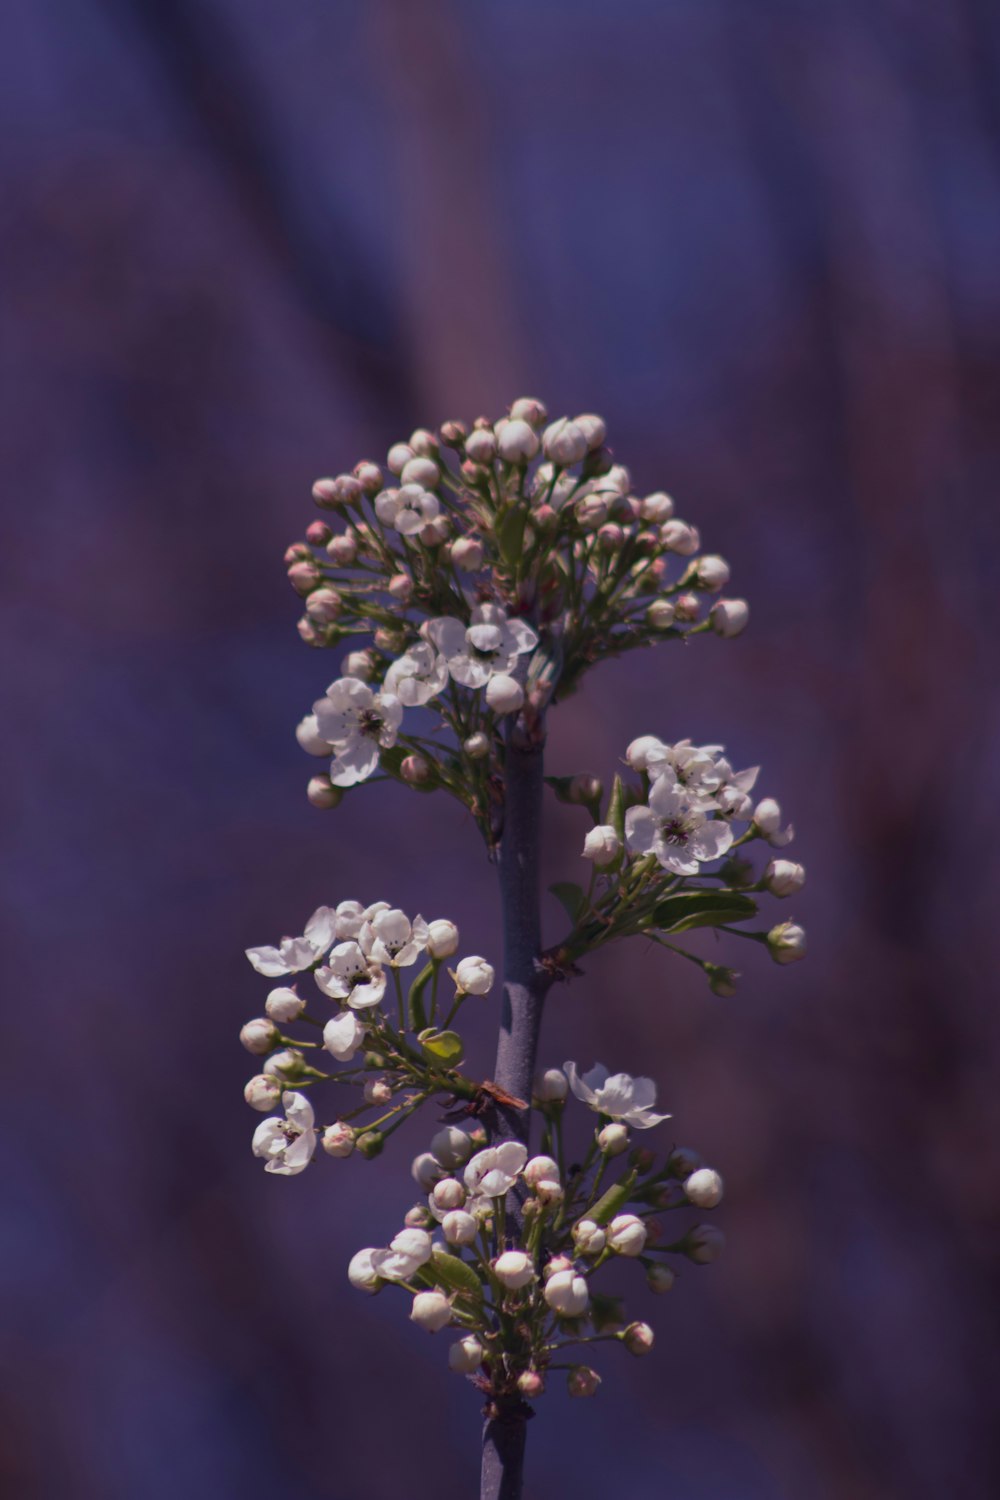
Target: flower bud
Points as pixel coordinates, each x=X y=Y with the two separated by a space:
x=387 y=639
x=318 y=533
x=342 y=549
x=288 y=1064
x=584 y=789
x=303 y=576
x=513 y=1269
x=660 y=614
x=474 y=976
x=566 y=1293
x=322 y=793
x=687 y=608
x=594 y=429
x=704 y=1188
x=527 y=409
x=677 y=536
x=459 y=1227
x=362 y=1274
x=476 y=476
x=541 y=1169
x=638 y=1338
x=415 y=770
x=613 y=1138
x=324 y=605
x=467 y=554
x=424 y=443
x=656 y=508
x=369 y=477
x=398 y=457
x=260 y=1036
x=418 y=1217
x=728 y=617
x=530 y=1384
x=431 y=1310
x=564 y=443
x=588 y=1237
x=400 y=587
x=421 y=471
x=338 y=1139
x=582 y=1381
x=447 y=1194
x=722 y=981
x=660 y=1279
x=309 y=738
x=710 y=573
x=591 y=511
x=550 y=1087
x=451 y=1147
x=703 y=1244
x=442 y=942
x=466 y=1356
x=435 y=532
x=481 y=445
x=284 y=1005
x=325 y=493
x=369 y=1144
x=546 y=518
x=602 y=845
x=426 y=1170
x=610 y=537
x=783 y=877
x=378 y=1091
x=517 y=443
x=477 y=745
x=504 y=694
x=453 y=434
x=786 y=942
x=627 y=1235
x=263 y=1092
x=359 y=664
x=682 y=1161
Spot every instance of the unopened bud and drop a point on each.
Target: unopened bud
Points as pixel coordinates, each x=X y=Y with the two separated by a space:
x=728 y=617
x=450 y=1146
x=660 y=1279
x=682 y=1161
x=660 y=614
x=610 y=537
x=338 y=1139
x=442 y=942
x=322 y=793
x=401 y=587
x=481 y=445
x=359 y=664
x=466 y=1356
x=362 y=1274
x=627 y=1235
x=567 y=1294
x=550 y=1087
x=513 y=1269
x=613 y=1138
x=423 y=471
x=426 y=1170
x=447 y=1194
x=284 y=1005
x=369 y=1144
x=342 y=549
x=602 y=845
x=687 y=608
x=263 y=1092
x=415 y=770
x=638 y=1338
x=325 y=493
x=260 y=1036
x=303 y=576
x=783 y=877
x=477 y=746
x=704 y=1188
x=703 y=1244
x=656 y=508
x=530 y=1384
x=503 y=694
x=398 y=457
x=474 y=976
x=528 y=409
x=583 y=1381
x=467 y=554
x=324 y=605
x=318 y=533
x=722 y=981
x=288 y=1064
x=453 y=434
x=431 y=1311
x=541 y=1169
x=677 y=536
x=309 y=738
x=459 y=1227
x=517 y=442
x=378 y=1091
x=591 y=512
x=418 y=1217
x=588 y=1237
x=787 y=942
x=564 y=443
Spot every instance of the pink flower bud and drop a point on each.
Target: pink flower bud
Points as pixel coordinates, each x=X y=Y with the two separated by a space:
x=545 y=518
x=527 y=409
x=342 y=549
x=369 y=477
x=318 y=533
x=303 y=576
x=449 y=1193
x=399 y=456
x=677 y=536
x=787 y=942
x=378 y=1091
x=729 y=617
x=401 y=587
x=660 y=614
x=467 y=554
x=263 y=1092
x=260 y=1036
x=284 y=1005
x=477 y=746
x=481 y=446
x=687 y=608
x=591 y=511
x=308 y=632
x=324 y=605
x=627 y=1235
x=610 y=537
x=322 y=793
x=297 y=552
x=638 y=1338
x=541 y=1169
x=513 y=1269
x=459 y=1227
x=583 y=1381
x=325 y=493
x=338 y=1139
x=594 y=429
x=656 y=508
x=516 y=441
x=453 y=434
x=566 y=1293
x=530 y=1384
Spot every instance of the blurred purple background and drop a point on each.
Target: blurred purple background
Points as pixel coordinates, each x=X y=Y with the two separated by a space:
x=247 y=243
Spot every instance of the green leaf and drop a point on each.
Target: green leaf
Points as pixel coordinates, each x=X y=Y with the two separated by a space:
x=454 y=1273
x=571 y=897
x=510 y=534
x=686 y=909
x=418 y=1016
x=442 y=1046
x=616 y=808
x=615 y=1198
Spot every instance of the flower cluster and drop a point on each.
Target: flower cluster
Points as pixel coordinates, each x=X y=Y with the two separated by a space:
x=489 y=567
x=506 y=1249
x=663 y=856
x=355 y=955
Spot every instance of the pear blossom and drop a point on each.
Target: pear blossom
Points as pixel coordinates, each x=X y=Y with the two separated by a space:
x=514 y=1269
x=782 y=877
x=293 y=955
x=489 y=644
x=410 y=1250
x=602 y=845
x=350 y=975
x=308 y=735
x=768 y=820
x=676 y=828
x=627 y=1235
x=550 y=1087
x=450 y=1146
x=343 y=1035
x=361 y=1272
x=466 y=1356
x=786 y=942
x=442 y=938
x=728 y=617
x=358 y=722
x=704 y=1188
x=504 y=694
x=564 y=442
x=348 y=919
x=287 y=1064
x=417 y=676
x=623 y=1098
x=287 y=1146
x=516 y=441
x=431 y=1310
x=566 y=1293
x=338 y=1139
x=613 y=1139
x=389 y=937
x=638 y=1338
x=474 y=976
x=408 y=508
x=494 y=1171
x=263 y=1092
x=283 y=1005
x=660 y=1278
x=259 y=1036
x=446 y=1195
x=541 y=1169
x=459 y=1227
x=588 y=1237
x=426 y=1171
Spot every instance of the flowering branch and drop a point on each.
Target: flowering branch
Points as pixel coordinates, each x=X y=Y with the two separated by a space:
x=507 y=561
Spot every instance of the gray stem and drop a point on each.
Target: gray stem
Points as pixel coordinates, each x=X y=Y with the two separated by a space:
x=525 y=986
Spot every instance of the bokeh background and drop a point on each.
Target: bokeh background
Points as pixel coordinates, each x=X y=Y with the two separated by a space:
x=247 y=243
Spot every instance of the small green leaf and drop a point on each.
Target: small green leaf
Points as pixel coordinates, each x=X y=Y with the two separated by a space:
x=510 y=534
x=418 y=1016
x=615 y=1198
x=570 y=897
x=686 y=909
x=454 y=1273
x=442 y=1046
x=616 y=808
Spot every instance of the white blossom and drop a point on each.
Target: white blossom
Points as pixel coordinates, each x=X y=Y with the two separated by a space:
x=564 y=442
x=613 y=1139
x=516 y=441
x=417 y=676
x=263 y=1092
x=783 y=877
x=398 y=457
x=431 y=1310
x=618 y=1095
x=541 y=1169
x=293 y=955
x=446 y=1195
x=338 y=1139
x=259 y=1036
x=593 y=427
x=459 y=1227
x=361 y=1272
x=728 y=617
x=358 y=722
x=656 y=508
x=504 y=694
x=391 y=938
x=308 y=735
x=710 y=573
x=514 y=1269
x=676 y=828
x=343 y=1035
x=284 y=1005
x=602 y=845
x=451 y=1146
x=410 y=1250
x=566 y=1293
x=442 y=938
x=350 y=975
x=407 y=509
x=551 y=1086
x=588 y=1237
x=466 y=1356
x=489 y=644
x=494 y=1171
x=787 y=942
x=426 y=1170
x=768 y=820
x=287 y=1145
x=421 y=471
x=627 y=1235
x=704 y=1188
x=474 y=976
